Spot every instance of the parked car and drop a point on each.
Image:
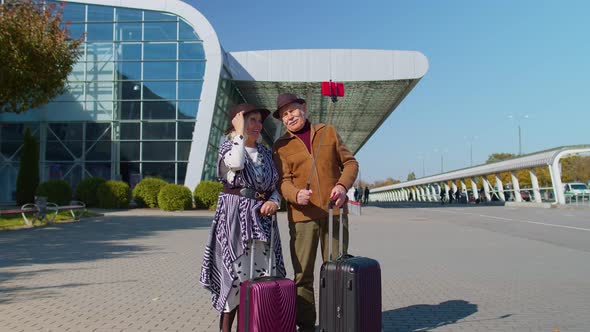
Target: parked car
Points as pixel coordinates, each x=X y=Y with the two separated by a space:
x=576 y=189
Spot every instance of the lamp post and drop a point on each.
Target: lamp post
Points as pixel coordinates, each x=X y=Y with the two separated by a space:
x=471 y=139
x=442 y=151
x=518 y=118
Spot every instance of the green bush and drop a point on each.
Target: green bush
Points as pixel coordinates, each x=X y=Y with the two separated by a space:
x=174 y=197
x=146 y=192
x=27 y=179
x=206 y=194
x=87 y=190
x=56 y=191
x=113 y=195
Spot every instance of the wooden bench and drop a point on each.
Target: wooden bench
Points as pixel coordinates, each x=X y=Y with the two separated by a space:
x=46 y=211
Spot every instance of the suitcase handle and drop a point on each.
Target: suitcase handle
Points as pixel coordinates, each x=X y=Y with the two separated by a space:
x=341 y=252
x=270 y=270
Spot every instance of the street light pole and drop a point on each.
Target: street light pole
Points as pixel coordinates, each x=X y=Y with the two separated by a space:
x=518 y=118
x=519 y=141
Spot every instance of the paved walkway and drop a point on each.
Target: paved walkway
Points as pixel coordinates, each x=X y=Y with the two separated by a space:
x=443 y=270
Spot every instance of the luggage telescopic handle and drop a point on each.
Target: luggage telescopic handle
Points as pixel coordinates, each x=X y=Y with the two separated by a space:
x=270 y=270
x=331 y=231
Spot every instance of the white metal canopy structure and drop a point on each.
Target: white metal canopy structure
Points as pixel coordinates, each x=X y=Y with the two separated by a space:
x=424 y=188
x=376 y=81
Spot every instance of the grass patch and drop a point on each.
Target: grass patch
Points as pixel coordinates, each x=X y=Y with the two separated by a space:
x=15 y=221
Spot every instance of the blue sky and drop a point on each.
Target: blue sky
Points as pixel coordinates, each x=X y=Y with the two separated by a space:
x=487 y=60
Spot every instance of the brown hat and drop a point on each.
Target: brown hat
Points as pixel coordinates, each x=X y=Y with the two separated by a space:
x=284 y=100
x=247 y=109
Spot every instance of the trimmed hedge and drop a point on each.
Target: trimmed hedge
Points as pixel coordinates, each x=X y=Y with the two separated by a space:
x=206 y=194
x=174 y=197
x=113 y=195
x=146 y=192
x=87 y=190
x=56 y=191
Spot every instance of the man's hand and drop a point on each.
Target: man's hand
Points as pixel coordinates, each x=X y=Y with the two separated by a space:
x=303 y=196
x=268 y=208
x=338 y=195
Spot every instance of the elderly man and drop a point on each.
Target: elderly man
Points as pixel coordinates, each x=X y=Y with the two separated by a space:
x=334 y=173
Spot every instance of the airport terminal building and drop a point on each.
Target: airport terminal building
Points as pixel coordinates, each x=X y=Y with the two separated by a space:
x=150 y=93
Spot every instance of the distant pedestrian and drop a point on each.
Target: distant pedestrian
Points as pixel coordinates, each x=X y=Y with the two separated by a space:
x=458 y=196
x=356 y=195
x=450 y=196
x=442 y=196
x=367 y=195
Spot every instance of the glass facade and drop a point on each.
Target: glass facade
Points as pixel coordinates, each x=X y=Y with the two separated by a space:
x=134 y=94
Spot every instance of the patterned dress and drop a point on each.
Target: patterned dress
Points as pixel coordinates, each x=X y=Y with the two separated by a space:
x=238 y=225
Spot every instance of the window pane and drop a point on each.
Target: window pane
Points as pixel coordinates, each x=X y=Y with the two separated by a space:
x=65 y=132
x=128 y=170
x=189 y=90
x=128 y=31
x=94 y=130
x=127 y=14
x=158 y=151
x=157 y=51
x=160 y=31
x=183 y=150
x=99 y=31
x=162 y=170
x=158 y=16
x=74 y=12
x=130 y=110
x=129 y=130
x=99 y=91
x=159 y=110
x=186 y=32
x=191 y=70
x=100 y=52
x=188 y=109
x=159 y=70
x=129 y=151
x=185 y=130
x=100 y=13
x=159 y=130
x=100 y=71
x=129 y=71
x=159 y=90
x=103 y=109
x=102 y=170
x=99 y=151
x=56 y=151
x=76 y=30
x=74 y=92
x=191 y=51
x=129 y=52
x=129 y=90
x=181 y=172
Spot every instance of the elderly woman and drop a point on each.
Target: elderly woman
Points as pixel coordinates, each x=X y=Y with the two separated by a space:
x=243 y=214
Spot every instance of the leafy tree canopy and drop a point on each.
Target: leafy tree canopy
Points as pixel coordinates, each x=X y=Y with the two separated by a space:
x=499 y=157
x=37 y=54
x=411 y=176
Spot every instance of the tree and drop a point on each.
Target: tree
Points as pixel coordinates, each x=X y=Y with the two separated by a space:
x=499 y=157
x=411 y=176
x=37 y=54
x=28 y=172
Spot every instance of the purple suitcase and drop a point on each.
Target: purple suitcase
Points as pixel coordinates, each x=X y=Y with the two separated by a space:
x=267 y=304
x=350 y=291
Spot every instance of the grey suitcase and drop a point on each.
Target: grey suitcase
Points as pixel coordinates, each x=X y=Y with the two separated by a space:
x=350 y=291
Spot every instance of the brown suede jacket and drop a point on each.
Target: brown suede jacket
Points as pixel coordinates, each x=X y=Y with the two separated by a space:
x=335 y=165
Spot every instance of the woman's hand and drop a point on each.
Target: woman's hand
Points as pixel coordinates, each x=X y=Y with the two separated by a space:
x=238 y=123
x=268 y=208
